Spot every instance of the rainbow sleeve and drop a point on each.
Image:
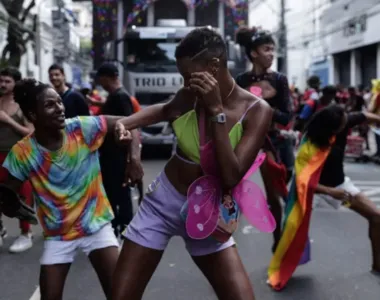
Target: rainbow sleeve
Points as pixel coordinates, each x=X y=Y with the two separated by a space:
x=94 y=130
x=17 y=161
x=294 y=247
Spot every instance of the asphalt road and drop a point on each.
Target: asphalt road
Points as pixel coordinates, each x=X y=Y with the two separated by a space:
x=339 y=269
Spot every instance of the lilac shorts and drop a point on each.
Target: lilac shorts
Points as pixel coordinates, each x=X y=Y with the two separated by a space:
x=158 y=219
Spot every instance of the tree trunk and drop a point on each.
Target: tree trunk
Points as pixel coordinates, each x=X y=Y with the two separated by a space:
x=16 y=41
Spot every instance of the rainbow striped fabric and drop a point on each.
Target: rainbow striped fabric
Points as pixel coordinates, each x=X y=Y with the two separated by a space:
x=67 y=184
x=294 y=248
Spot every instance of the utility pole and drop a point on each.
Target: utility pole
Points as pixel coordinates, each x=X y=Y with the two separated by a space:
x=120 y=38
x=282 y=41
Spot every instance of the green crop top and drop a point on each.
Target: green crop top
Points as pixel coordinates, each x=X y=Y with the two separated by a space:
x=187 y=133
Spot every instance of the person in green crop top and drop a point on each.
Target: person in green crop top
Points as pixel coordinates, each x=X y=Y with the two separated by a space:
x=237 y=123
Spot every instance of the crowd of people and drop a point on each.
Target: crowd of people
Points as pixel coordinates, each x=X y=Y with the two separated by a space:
x=76 y=166
x=352 y=99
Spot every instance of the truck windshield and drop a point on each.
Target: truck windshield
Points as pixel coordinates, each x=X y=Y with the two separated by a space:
x=150 y=52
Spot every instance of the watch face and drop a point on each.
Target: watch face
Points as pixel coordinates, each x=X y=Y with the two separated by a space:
x=222 y=118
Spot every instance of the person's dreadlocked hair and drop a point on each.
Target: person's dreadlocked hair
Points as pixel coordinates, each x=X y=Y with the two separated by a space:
x=252 y=38
x=202 y=44
x=27 y=92
x=324 y=125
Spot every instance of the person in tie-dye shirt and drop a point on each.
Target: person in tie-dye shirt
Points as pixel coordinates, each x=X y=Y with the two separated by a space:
x=61 y=161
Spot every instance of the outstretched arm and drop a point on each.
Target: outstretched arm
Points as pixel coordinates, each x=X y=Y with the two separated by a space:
x=134 y=147
x=153 y=114
x=372 y=118
x=336 y=193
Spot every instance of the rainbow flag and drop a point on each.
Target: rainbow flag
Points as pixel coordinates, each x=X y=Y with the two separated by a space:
x=294 y=248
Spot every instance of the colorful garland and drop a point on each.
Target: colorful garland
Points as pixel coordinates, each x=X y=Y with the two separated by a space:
x=238 y=15
x=105 y=12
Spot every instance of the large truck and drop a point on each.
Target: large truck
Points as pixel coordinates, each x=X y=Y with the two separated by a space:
x=150 y=73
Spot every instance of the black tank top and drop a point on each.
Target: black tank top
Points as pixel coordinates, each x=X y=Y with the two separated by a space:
x=281 y=102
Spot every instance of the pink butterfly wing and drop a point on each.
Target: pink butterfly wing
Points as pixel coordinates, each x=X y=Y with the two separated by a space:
x=256 y=164
x=253 y=205
x=203 y=198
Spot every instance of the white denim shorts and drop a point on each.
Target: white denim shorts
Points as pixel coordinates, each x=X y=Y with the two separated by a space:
x=348 y=186
x=62 y=252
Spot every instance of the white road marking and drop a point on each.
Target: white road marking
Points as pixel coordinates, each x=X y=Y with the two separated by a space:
x=372 y=192
x=375 y=199
x=365 y=182
x=36 y=295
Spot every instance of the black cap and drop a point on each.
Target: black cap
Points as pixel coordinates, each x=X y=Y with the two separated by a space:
x=108 y=70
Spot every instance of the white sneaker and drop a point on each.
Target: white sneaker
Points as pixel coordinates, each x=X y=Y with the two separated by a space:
x=22 y=243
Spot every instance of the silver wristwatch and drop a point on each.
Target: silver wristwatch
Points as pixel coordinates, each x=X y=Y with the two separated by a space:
x=219 y=118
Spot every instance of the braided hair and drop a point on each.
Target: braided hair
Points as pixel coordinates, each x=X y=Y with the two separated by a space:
x=204 y=41
x=27 y=92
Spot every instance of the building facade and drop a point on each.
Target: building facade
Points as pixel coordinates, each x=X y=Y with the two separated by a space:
x=306 y=50
x=334 y=39
x=352 y=41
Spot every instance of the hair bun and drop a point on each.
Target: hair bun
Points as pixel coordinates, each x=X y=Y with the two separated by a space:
x=244 y=35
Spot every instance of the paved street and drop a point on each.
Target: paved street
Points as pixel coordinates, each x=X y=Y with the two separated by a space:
x=339 y=270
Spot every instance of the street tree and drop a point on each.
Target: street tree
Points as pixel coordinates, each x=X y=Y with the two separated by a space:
x=18 y=33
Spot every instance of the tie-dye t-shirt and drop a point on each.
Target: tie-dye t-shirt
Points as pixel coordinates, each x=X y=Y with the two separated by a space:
x=67 y=184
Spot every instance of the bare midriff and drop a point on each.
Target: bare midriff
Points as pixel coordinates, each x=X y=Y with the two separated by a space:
x=181 y=174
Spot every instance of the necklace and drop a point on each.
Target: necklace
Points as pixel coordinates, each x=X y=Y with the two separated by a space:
x=229 y=94
x=261 y=77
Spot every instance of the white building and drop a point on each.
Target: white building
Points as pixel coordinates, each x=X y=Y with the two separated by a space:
x=306 y=49
x=353 y=41
x=334 y=39
x=82 y=27
x=44 y=40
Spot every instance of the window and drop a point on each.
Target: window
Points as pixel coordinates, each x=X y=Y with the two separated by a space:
x=149 y=51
